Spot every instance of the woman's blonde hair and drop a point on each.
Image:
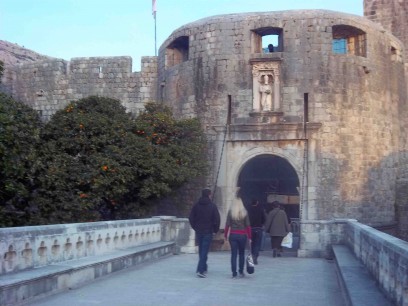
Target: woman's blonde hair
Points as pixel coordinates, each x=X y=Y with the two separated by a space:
x=238 y=211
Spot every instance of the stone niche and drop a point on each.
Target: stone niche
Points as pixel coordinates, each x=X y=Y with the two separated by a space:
x=266 y=86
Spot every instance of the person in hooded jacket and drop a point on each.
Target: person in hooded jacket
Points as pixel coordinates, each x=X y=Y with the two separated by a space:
x=205 y=220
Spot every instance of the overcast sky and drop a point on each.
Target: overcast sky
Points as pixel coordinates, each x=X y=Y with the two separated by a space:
x=84 y=28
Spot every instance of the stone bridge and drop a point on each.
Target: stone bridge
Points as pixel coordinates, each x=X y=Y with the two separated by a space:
x=40 y=261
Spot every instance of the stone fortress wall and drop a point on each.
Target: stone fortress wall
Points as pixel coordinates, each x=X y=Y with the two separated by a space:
x=215 y=69
x=48 y=85
x=393 y=16
x=354 y=98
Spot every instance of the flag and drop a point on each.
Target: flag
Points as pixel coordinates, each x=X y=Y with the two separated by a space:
x=154 y=8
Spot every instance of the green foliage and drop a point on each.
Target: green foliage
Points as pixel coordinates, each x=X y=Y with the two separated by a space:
x=92 y=161
x=97 y=163
x=177 y=149
x=88 y=162
x=19 y=133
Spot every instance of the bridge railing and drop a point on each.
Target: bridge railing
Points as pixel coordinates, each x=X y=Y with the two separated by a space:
x=385 y=256
x=23 y=248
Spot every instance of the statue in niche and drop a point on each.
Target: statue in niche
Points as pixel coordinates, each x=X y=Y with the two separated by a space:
x=266 y=87
x=265 y=90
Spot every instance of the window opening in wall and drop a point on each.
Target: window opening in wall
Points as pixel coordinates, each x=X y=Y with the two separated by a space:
x=177 y=51
x=229 y=109
x=267 y=40
x=306 y=107
x=270 y=43
x=395 y=54
x=340 y=46
x=349 y=40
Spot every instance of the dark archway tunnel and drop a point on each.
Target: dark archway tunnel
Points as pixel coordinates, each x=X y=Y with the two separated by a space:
x=267 y=177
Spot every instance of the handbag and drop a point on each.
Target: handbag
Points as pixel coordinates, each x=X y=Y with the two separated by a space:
x=287 y=240
x=250 y=266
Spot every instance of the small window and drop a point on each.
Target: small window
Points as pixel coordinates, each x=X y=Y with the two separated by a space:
x=270 y=43
x=349 y=40
x=395 y=54
x=267 y=40
x=177 y=51
x=340 y=46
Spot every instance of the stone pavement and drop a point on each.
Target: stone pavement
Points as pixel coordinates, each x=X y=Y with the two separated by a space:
x=171 y=281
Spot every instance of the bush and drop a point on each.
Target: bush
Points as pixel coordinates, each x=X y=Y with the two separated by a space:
x=96 y=162
x=177 y=151
x=19 y=134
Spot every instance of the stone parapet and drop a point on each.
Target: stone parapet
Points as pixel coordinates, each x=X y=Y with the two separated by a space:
x=23 y=248
x=385 y=257
x=40 y=260
x=26 y=286
x=317 y=237
x=179 y=231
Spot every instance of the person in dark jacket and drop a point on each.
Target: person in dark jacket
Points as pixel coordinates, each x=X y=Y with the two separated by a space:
x=205 y=220
x=257 y=220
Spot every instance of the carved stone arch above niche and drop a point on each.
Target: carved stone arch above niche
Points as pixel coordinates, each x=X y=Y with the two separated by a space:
x=266 y=86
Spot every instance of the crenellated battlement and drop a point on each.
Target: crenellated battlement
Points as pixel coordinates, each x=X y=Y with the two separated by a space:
x=48 y=85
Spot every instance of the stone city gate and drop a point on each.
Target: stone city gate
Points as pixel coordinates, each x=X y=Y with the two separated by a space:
x=267 y=171
x=268 y=178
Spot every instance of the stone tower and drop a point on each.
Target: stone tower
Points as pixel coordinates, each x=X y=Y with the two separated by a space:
x=393 y=16
x=315 y=124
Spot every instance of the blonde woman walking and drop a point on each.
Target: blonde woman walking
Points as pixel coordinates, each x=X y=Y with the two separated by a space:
x=237 y=230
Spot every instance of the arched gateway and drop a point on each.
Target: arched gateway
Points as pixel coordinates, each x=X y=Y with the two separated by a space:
x=268 y=178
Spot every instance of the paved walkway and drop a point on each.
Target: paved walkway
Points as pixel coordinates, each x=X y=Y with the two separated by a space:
x=171 y=281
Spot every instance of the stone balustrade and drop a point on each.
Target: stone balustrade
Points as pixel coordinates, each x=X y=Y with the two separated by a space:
x=23 y=248
x=385 y=256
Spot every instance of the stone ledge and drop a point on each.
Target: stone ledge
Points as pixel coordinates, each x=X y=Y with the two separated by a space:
x=22 y=287
x=358 y=286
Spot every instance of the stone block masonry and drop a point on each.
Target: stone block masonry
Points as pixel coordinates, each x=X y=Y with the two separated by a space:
x=355 y=96
x=353 y=163
x=49 y=85
x=393 y=16
x=37 y=261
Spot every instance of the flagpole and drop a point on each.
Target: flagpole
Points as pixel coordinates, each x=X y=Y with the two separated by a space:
x=154 y=11
x=155 y=35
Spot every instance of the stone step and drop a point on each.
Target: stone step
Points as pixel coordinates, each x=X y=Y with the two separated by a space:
x=358 y=286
